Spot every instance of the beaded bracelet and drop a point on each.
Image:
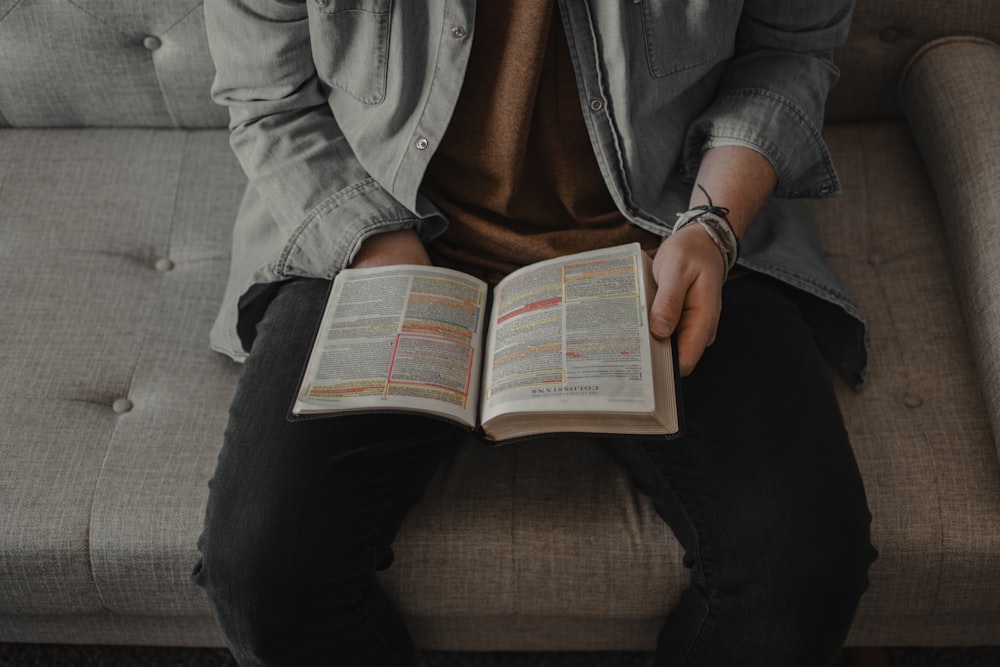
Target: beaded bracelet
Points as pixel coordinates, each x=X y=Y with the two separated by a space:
x=713 y=220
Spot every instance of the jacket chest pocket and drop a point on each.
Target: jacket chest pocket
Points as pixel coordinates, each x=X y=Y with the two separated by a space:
x=683 y=35
x=350 y=45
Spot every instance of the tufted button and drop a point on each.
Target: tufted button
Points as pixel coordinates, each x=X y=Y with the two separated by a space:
x=151 y=42
x=422 y=143
x=912 y=400
x=163 y=265
x=875 y=259
x=458 y=32
x=596 y=104
x=121 y=406
x=889 y=35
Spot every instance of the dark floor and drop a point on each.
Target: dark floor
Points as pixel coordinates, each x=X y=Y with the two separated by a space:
x=33 y=655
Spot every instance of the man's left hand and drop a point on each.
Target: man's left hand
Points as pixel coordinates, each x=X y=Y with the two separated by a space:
x=689 y=272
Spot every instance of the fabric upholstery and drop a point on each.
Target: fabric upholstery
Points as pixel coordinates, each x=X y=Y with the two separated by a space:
x=920 y=429
x=88 y=62
x=105 y=63
x=884 y=35
x=951 y=93
x=110 y=629
x=114 y=248
x=114 y=254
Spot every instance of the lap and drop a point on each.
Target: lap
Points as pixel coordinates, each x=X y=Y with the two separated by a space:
x=330 y=488
x=765 y=456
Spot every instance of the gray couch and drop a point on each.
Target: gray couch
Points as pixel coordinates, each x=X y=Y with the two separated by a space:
x=117 y=194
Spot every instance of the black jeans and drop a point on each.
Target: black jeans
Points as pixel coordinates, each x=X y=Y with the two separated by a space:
x=763 y=492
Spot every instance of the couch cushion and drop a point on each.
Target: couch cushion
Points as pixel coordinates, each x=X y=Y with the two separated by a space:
x=120 y=62
x=584 y=546
x=884 y=35
x=920 y=428
x=105 y=62
x=539 y=543
x=114 y=253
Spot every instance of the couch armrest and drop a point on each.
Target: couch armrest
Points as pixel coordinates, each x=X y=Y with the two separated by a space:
x=950 y=93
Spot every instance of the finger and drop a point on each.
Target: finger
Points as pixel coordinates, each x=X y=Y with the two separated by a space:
x=668 y=304
x=667 y=313
x=698 y=326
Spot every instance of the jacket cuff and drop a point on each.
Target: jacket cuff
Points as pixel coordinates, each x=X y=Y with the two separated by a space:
x=756 y=118
x=331 y=235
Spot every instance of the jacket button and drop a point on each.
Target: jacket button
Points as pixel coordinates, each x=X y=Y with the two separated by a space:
x=458 y=32
x=421 y=143
x=596 y=104
x=322 y=3
x=152 y=43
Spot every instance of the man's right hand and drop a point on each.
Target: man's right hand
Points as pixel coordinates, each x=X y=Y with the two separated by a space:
x=402 y=246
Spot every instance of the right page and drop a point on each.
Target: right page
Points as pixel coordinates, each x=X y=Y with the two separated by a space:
x=569 y=349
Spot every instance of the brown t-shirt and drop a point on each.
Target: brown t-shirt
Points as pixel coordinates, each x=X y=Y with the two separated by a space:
x=515 y=173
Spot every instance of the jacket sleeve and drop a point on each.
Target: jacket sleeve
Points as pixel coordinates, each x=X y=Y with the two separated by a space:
x=772 y=93
x=286 y=137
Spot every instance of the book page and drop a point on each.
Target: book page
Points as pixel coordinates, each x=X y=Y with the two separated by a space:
x=400 y=337
x=571 y=334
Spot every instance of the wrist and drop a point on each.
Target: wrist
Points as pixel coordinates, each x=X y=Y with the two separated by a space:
x=714 y=221
x=400 y=246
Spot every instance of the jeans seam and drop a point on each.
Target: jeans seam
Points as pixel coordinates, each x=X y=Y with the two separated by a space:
x=383 y=644
x=696 y=648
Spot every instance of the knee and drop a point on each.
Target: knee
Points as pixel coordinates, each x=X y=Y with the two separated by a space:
x=821 y=583
x=820 y=597
x=803 y=590
x=833 y=543
x=261 y=569
x=262 y=593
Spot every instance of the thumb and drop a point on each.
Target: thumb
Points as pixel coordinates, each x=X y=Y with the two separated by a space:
x=668 y=305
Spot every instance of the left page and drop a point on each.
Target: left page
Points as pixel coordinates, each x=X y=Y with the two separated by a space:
x=397 y=338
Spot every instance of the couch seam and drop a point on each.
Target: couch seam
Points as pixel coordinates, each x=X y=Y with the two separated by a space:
x=131 y=381
x=186 y=14
x=940 y=563
x=156 y=72
x=110 y=26
x=90 y=520
x=12 y=8
x=177 y=193
x=6 y=173
x=163 y=93
x=97 y=18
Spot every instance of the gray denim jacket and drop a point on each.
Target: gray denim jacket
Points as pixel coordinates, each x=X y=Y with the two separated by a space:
x=338 y=105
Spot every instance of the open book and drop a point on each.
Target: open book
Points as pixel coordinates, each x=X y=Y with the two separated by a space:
x=565 y=348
